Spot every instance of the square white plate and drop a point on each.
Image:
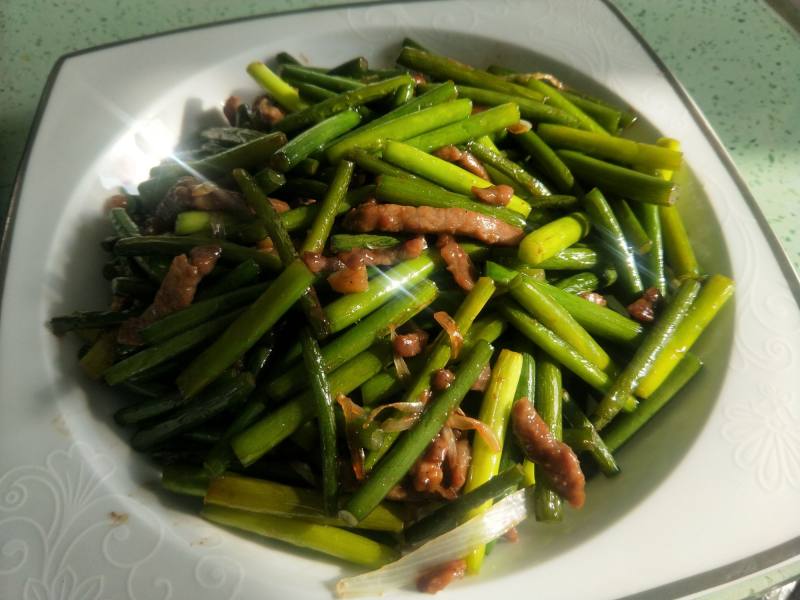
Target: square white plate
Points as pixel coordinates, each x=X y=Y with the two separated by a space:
x=709 y=493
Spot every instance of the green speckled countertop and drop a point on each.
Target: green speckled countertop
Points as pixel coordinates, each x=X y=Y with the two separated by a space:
x=738 y=58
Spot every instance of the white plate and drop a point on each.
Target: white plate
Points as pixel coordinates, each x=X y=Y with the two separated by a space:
x=709 y=493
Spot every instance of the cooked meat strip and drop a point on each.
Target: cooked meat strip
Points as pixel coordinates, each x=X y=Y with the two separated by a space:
x=369 y=217
x=483 y=380
x=458 y=465
x=496 y=195
x=384 y=256
x=439 y=577
x=266 y=112
x=419 y=78
x=176 y=292
x=189 y=193
x=458 y=262
x=318 y=263
x=444 y=466
x=279 y=205
x=410 y=344
x=449 y=153
x=512 y=535
x=229 y=109
x=349 y=281
x=478 y=108
x=428 y=472
x=442 y=378
x=644 y=309
x=555 y=457
x=473 y=165
x=594 y=297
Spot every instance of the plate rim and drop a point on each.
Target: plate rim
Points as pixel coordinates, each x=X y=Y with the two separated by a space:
x=756 y=566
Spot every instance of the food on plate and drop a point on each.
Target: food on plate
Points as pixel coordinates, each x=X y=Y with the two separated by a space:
x=379 y=308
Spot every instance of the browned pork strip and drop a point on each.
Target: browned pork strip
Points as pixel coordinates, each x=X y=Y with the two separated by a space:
x=644 y=309
x=458 y=262
x=439 y=577
x=496 y=195
x=426 y=219
x=176 y=292
x=473 y=165
x=442 y=378
x=349 y=281
x=189 y=193
x=555 y=457
x=266 y=112
x=409 y=344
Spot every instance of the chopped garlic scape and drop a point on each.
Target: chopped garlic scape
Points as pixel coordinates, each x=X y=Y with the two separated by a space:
x=449 y=546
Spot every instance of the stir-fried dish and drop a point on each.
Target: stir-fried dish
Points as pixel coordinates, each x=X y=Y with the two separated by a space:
x=381 y=307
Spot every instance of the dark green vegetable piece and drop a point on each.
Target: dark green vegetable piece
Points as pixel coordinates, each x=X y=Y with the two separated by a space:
x=147 y=245
x=627 y=424
x=240 y=276
x=154 y=267
x=313 y=139
x=247 y=329
x=349 y=308
x=452 y=514
x=597 y=320
x=608 y=117
x=251 y=155
x=372 y=164
x=474 y=126
x=284 y=245
x=557 y=99
x=133 y=287
x=509 y=168
x=413 y=442
x=336 y=104
x=342 y=242
x=270 y=180
x=333 y=541
x=653 y=271
x=323 y=402
x=153 y=356
x=355 y=67
x=597 y=447
x=579 y=283
x=358 y=338
x=186 y=480
x=546 y=160
x=443 y=68
x=218 y=398
x=635 y=234
x=548 y=505
x=230 y=136
x=614 y=179
x=89 y=320
x=419 y=123
x=149 y=408
x=199 y=312
x=608 y=147
x=301 y=74
x=302 y=216
x=534 y=110
x=652 y=344
x=323 y=221
x=262 y=436
x=608 y=230
x=416 y=192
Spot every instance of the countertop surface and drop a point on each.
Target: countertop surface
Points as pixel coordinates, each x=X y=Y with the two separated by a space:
x=738 y=59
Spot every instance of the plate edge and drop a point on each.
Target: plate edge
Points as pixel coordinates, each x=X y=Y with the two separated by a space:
x=771 y=556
